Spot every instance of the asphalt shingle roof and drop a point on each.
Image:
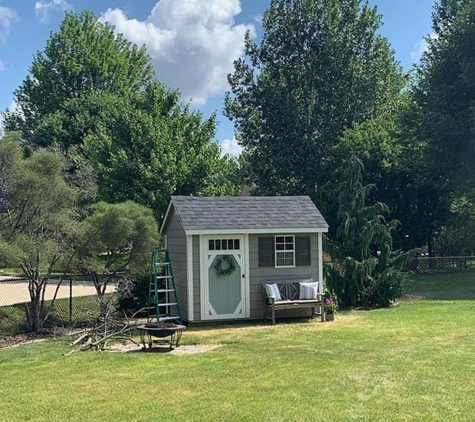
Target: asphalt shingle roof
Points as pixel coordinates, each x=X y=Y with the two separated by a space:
x=248 y=212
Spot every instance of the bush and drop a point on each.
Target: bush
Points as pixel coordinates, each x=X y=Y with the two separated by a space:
x=133 y=295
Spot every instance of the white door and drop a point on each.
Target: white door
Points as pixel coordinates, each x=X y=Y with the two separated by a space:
x=225 y=281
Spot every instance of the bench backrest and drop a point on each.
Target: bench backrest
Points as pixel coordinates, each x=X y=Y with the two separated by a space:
x=289 y=289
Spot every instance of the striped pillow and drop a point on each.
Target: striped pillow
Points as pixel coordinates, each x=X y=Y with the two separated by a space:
x=272 y=291
x=308 y=290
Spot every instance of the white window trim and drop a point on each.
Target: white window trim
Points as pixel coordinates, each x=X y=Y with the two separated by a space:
x=276 y=251
x=224 y=238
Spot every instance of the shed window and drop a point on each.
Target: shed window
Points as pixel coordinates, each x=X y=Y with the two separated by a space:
x=284 y=251
x=224 y=244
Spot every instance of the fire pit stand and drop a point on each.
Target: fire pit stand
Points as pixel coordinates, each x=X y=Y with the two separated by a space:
x=160 y=334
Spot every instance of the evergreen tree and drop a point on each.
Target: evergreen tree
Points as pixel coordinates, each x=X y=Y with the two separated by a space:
x=365 y=270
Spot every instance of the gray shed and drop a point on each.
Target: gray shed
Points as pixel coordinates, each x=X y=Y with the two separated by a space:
x=223 y=248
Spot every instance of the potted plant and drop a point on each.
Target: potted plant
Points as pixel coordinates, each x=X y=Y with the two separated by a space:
x=330 y=307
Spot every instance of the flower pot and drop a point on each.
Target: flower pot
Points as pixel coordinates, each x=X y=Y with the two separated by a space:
x=329 y=317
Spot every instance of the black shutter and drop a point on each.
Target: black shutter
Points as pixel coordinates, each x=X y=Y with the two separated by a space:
x=302 y=251
x=266 y=252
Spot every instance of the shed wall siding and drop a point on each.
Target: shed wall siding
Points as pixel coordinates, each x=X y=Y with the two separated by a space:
x=196 y=278
x=259 y=274
x=176 y=242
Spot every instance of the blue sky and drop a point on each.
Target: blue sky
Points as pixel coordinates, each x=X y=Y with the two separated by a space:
x=192 y=42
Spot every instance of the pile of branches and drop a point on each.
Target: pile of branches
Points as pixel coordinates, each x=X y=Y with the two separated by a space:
x=105 y=329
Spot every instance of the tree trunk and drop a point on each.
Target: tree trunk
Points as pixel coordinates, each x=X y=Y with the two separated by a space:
x=35 y=308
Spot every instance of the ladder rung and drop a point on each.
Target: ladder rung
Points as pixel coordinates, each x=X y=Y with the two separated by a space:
x=162 y=290
x=162 y=264
x=167 y=318
x=168 y=304
x=162 y=277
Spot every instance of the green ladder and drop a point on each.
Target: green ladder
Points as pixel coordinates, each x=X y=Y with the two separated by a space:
x=162 y=298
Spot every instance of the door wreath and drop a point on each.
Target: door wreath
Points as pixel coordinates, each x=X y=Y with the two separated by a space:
x=228 y=268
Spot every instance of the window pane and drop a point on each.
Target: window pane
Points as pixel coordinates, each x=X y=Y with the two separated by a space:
x=289 y=239
x=211 y=245
x=224 y=244
x=230 y=244
x=289 y=258
x=217 y=245
x=279 y=247
x=289 y=246
x=236 y=244
x=279 y=239
x=280 y=260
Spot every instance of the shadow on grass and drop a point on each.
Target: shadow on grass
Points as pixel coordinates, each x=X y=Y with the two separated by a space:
x=256 y=323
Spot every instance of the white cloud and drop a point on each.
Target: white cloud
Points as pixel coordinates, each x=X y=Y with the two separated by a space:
x=7 y=18
x=43 y=8
x=420 y=48
x=231 y=147
x=193 y=43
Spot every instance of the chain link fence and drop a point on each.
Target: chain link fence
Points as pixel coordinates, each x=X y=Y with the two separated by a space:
x=75 y=304
x=441 y=278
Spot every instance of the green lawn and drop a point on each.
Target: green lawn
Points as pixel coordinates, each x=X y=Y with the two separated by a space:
x=13 y=318
x=414 y=362
x=442 y=286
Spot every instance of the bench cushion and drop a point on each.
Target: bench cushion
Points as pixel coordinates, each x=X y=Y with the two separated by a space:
x=308 y=291
x=272 y=291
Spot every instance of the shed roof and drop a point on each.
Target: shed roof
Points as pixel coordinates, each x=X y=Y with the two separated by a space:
x=251 y=214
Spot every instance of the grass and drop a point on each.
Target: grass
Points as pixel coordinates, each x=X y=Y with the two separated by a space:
x=13 y=318
x=14 y=272
x=443 y=286
x=410 y=363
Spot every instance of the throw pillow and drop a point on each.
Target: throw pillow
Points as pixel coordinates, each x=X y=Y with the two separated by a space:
x=272 y=291
x=308 y=291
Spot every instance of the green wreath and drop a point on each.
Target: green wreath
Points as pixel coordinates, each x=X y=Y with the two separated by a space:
x=229 y=268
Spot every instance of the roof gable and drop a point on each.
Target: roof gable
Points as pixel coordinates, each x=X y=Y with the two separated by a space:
x=246 y=214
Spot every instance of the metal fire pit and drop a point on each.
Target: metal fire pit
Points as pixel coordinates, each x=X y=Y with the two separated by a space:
x=160 y=334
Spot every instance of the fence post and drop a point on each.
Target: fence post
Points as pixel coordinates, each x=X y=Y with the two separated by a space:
x=70 y=300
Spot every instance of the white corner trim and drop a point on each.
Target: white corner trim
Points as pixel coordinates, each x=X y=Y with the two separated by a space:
x=202 y=278
x=225 y=232
x=162 y=226
x=247 y=256
x=189 y=276
x=320 y=262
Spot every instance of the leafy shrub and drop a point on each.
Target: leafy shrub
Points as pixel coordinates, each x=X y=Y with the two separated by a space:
x=134 y=295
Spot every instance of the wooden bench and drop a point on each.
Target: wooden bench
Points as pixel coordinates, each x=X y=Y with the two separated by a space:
x=290 y=292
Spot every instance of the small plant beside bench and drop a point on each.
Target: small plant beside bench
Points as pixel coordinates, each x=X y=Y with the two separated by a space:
x=291 y=294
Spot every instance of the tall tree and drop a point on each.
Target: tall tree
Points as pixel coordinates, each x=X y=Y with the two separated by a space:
x=365 y=270
x=320 y=67
x=150 y=146
x=446 y=95
x=395 y=161
x=84 y=57
x=92 y=95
